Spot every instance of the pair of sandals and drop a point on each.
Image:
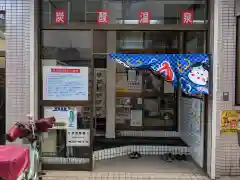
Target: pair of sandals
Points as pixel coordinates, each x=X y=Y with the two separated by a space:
x=169 y=157
x=134 y=155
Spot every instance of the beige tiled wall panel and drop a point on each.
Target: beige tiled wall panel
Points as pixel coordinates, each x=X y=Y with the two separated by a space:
x=227 y=151
x=17 y=74
x=17 y=60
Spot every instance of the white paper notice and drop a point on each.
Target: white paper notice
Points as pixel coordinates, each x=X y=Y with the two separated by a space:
x=136 y=118
x=168 y=87
x=139 y=101
x=49 y=143
x=78 y=137
x=65 y=83
x=132 y=75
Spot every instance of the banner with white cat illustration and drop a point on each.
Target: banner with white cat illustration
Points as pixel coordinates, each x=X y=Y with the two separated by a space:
x=190 y=71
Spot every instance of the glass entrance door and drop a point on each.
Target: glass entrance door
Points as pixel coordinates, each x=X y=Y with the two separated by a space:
x=65 y=57
x=152 y=98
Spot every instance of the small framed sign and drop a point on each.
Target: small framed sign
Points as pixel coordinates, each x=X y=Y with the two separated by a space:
x=187 y=17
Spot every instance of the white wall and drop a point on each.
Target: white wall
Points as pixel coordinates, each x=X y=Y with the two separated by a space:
x=191 y=127
x=17 y=60
x=226 y=157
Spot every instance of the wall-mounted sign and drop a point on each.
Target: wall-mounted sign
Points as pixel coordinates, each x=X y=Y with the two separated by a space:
x=125 y=84
x=60 y=16
x=65 y=83
x=143 y=17
x=103 y=17
x=78 y=137
x=187 y=16
x=229 y=122
x=66 y=117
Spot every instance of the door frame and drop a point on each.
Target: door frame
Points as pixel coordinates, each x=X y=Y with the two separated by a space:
x=59 y=103
x=180 y=39
x=75 y=103
x=127 y=27
x=205 y=98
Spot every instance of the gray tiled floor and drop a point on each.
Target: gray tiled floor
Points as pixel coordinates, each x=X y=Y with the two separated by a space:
x=145 y=168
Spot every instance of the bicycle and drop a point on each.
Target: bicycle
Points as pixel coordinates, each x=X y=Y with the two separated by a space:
x=22 y=163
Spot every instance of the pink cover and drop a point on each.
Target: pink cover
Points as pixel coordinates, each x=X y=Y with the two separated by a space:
x=13 y=161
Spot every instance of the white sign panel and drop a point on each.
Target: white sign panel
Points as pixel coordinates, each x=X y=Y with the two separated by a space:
x=78 y=137
x=66 y=117
x=136 y=118
x=65 y=83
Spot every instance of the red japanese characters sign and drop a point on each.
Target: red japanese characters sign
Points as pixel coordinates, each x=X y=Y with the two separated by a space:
x=187 y=17
x=65 y=70
x=60 y=16
x=143 y=17
x=102 y=17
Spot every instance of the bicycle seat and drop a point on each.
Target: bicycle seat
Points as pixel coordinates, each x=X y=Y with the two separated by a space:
x=24 y=129
x=14 y=160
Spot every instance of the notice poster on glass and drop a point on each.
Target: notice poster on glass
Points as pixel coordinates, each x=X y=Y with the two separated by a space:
x=66 y=117
x=65 y=83
x=78 y=137
x=136 y=118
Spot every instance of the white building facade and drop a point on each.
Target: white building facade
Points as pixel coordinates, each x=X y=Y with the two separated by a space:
x=22 y=54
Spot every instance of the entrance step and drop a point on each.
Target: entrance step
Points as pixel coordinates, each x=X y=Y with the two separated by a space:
x=106 y=143
x=109 y=153
x=69 y=175
x=145 y=150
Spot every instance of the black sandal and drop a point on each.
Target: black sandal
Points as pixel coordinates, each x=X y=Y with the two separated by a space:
x=181 y=157
x=168 y=157
x=134 y=155
x=178 y=157
x=184 y=157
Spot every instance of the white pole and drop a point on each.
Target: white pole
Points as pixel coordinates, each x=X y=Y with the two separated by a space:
x=111 y=87
x=34 y=60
